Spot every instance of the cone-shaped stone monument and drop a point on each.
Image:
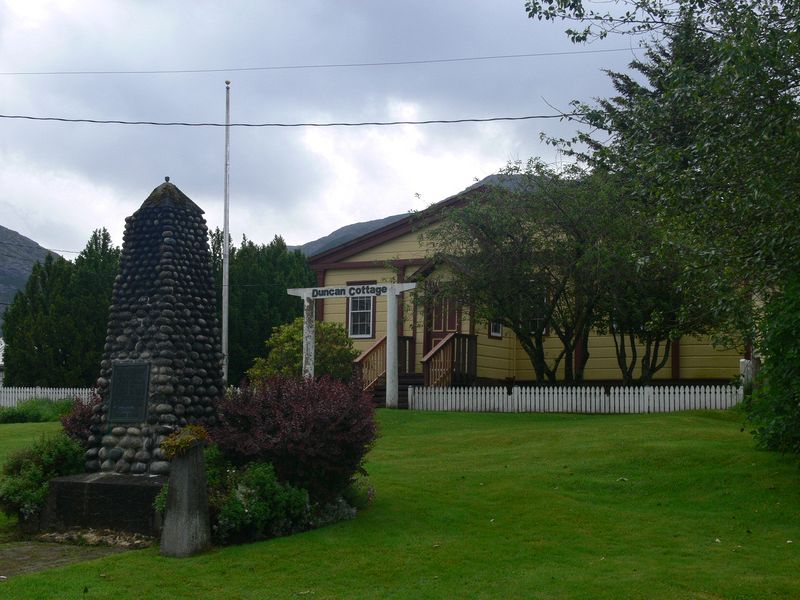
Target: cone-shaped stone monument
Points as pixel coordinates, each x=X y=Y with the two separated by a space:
x=161 y=365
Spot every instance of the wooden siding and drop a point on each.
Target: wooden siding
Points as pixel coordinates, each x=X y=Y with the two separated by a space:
x=499 y=359
x=403 y=247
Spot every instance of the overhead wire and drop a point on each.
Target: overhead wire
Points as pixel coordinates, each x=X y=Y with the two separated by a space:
x=319 y=66
x=289 y=125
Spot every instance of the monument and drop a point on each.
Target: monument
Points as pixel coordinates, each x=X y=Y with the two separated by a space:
x=161 y=369
x=161 y=366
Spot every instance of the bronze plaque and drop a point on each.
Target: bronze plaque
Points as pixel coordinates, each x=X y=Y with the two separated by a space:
x=130 y=384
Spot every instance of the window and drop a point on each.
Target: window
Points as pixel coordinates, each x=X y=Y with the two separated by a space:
x=360 y=316
x=495 y=329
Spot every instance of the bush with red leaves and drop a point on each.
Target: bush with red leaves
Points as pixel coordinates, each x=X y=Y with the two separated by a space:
x=77 y=421
x=315 y=433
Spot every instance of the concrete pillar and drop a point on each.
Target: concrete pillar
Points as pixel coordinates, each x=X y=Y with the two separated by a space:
x=308 y=338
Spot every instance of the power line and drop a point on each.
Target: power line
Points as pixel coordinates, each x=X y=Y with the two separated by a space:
x=323 y=65
x=288 y=125
x=6 y=243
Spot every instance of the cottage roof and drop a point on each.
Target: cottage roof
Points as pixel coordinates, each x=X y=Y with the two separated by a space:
x=402 y=224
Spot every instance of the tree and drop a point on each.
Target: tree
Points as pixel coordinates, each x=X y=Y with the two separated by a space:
x=258 y=302
x=724 y=76
x=55 y=328
x=712 y=133
x=527 y=255
x=91 y=284
x=38 y=331
x=333 y=352
x=774 y=409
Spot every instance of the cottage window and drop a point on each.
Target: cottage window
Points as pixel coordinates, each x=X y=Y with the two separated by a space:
x=495 y=329
x=360 y=316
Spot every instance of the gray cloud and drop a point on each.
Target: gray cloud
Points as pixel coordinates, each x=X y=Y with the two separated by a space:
x=296 y=183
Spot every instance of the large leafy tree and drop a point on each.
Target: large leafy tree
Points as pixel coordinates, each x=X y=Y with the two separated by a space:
x=710 y=133
x=528 y=254
x=55 y=328
x=713 y=134
x=259 y=277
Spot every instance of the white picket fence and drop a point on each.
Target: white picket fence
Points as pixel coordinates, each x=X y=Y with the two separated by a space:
x=11 y=396
x=588 y=399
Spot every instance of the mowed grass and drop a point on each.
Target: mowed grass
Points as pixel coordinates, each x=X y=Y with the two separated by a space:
x=513 y=506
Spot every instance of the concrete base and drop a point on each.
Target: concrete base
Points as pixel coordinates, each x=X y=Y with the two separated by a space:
x=103 y=501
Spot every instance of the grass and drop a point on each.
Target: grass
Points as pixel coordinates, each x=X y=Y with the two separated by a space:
x=512 y=506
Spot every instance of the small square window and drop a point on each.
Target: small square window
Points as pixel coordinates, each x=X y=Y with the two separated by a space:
x=495 y=329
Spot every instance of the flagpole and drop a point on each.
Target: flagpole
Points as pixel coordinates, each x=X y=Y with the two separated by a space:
x=225 y=235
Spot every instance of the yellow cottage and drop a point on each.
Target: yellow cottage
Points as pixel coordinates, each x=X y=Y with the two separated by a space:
x=442 y=343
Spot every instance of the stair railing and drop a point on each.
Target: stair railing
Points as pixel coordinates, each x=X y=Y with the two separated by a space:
x=451 y=362
x=370 y=366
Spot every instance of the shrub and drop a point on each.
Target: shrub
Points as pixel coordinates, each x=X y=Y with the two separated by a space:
x=258 y=506
x=774 y=407
x=26 y=474
x=315 y=433
x=35 y=410
x=333 y=353
x=78 y=420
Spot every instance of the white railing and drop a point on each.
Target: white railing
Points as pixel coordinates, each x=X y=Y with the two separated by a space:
x=587 y=399
x=11 y=396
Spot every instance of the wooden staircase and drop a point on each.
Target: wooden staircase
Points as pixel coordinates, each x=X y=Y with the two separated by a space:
x=405 y=380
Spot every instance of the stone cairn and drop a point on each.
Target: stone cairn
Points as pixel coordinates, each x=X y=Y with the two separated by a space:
x=163 y=313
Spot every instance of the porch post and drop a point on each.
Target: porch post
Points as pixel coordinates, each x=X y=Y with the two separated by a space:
x=392 y=384
x=308 y=338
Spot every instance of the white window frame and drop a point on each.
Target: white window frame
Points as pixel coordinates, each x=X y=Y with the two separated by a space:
x=495 y=330
x=370 y=312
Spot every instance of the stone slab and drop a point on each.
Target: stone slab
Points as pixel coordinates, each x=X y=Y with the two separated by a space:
x=103 y=501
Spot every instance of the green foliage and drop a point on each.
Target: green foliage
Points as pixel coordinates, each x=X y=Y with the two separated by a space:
x=359 y=493
x=255 y=505
x=26 y=474
x=774 y=407
x=55 y=328
x=333 y=352
x=36 y=410
x=258 y=302
x=160 y=502
x=181 y=441
x=528 y=252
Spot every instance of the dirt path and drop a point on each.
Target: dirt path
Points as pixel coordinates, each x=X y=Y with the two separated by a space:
x=27 y=557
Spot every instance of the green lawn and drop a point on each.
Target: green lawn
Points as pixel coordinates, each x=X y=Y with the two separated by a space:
x=512 y=506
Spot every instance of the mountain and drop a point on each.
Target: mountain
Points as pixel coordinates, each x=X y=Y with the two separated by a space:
x=18 y=254
x=351 y=232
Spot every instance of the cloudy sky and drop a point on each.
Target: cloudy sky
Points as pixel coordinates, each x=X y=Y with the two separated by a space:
x=59 y=181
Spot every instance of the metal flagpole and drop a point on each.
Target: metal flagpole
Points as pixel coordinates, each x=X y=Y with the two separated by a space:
x=225 y=235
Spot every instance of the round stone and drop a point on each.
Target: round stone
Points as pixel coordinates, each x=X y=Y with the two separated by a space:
x=159 y=467
x=109 y=441
x=138 y=468
x=142 y=456
x=119 y=431
x=115 y=454
x=92 y=466
x=107 y=466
